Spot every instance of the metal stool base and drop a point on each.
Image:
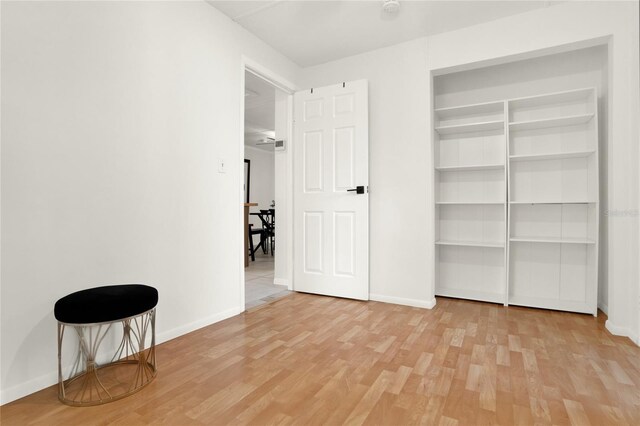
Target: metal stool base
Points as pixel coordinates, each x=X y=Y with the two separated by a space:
x=132 y=367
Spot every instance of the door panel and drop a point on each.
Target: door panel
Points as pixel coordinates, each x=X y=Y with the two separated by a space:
x=344 y=158
x=312 y=172
x=313 y=242
x=331 y=223
x=345 y=236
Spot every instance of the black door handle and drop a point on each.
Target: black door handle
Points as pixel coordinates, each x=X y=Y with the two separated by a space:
x=357 y=190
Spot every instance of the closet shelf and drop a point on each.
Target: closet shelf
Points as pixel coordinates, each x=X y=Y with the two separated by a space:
x=554 y=202
x=493 y=244
x=481 y=108
x=552 y=240
x=471 y=127
x=549 y=99
x=551 y=156
x=570 y=120
x=470 y=167
x=469 y=202
x=470 y=113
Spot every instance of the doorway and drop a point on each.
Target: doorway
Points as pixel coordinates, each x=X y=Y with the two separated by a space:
x=264 y=186
x=331 y=239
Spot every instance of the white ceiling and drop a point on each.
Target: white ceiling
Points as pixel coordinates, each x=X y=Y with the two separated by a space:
x=314 y=32
x=259 y=111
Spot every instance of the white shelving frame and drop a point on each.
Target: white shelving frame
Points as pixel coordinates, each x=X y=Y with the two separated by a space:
x=517 y=201
x=470 y=206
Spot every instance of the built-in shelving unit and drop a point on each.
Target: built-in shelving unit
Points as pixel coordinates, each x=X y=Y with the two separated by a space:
x=553 y=187
x=471 y=205
x=517 y=207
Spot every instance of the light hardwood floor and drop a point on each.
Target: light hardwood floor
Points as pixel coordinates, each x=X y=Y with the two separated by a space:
x=308 y=359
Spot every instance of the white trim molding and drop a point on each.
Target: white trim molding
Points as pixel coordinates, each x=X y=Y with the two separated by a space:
x=416 y=303
x=165 y=336
x=249 y=65
x=622 y=331
x=283 y=281
x=27 y=388
x=603 y=307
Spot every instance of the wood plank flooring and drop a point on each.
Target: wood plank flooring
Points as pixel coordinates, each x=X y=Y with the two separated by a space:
x=307 y=359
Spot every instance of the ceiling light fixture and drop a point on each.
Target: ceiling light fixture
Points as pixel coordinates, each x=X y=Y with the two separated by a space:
x=390 y=6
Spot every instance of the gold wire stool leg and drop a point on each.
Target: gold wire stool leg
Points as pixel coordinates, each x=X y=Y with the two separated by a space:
x=89 y=382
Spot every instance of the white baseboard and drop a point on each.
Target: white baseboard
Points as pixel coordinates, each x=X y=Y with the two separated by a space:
x=427 y=304
x=604 y=308
x=622 y=331
x=188 y=328
x=49 y=379
x=282 y=281
x=27 y=388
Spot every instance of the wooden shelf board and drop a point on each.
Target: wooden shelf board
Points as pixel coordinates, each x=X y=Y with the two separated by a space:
x=492 y=244
x=552 y=240
x=470 y=167
x=471 y=127
x=551 y=156
x=570 y=120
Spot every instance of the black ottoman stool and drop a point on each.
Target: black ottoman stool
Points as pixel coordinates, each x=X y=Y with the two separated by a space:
x=94 y=377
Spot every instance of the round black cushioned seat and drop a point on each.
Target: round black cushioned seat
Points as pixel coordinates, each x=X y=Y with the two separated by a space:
x=105 y=304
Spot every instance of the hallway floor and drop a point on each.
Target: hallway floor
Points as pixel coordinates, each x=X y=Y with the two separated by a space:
x=259 y=287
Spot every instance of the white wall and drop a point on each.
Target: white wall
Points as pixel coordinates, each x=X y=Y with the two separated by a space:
x=114 y=117
x=262 y=190
x=553 y=73
x=571 y=24
x=398 y=165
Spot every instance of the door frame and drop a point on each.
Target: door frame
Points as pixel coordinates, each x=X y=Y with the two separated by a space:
x=286 y=247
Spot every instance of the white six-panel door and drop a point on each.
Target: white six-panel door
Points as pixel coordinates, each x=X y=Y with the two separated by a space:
x=331 y=223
